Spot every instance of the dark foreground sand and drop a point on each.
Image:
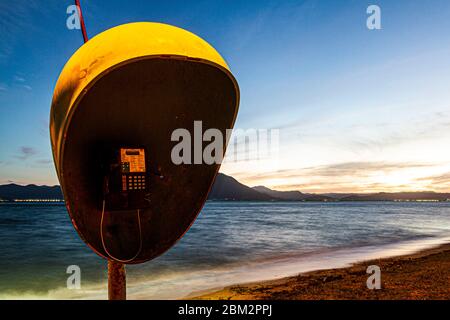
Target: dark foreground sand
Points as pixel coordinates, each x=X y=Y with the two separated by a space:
x=424 y=275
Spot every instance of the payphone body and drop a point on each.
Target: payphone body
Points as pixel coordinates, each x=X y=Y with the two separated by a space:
x=115 y=105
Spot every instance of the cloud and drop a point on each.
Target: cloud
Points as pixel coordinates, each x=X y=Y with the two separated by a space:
x=440 y=182
x=26 y=153
x=443 y=178
x=350 y=177
x=19 y=17
x=20 y=81
x=340 y=169
x=16 y=82
x=362 y=168
x=3 y=88
x=362 y=132
x=18 y=78
x=44 y=128
x=44 y=161
x=14 y=18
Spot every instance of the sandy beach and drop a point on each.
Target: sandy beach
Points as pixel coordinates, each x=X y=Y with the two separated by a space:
x=421 y=276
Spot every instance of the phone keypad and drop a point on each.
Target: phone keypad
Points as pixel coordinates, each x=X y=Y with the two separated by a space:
x=136 y=182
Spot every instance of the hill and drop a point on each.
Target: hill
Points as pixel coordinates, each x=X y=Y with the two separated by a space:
x=228 y=188
x=399 y=196
x=31 y=191
x=292 y=195
x=224 y=188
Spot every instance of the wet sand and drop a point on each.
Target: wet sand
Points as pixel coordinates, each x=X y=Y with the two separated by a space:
x=420 y=276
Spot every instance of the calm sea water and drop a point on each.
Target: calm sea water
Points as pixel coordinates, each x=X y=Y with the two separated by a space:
x=230 y=242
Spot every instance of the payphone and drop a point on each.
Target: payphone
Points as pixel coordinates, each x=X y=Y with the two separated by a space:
x=115 y=106
x=126 y=184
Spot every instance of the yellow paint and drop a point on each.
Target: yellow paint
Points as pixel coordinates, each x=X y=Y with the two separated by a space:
x=115 y=47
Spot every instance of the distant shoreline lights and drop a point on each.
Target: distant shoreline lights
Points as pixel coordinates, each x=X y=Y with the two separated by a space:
x=33 y=200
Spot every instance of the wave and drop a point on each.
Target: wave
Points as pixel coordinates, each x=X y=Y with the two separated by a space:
x=181 y=284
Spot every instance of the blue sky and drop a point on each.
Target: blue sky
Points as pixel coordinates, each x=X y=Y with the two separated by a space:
x=358 y=110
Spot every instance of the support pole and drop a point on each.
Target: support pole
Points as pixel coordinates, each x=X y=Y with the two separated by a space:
x=117 y=283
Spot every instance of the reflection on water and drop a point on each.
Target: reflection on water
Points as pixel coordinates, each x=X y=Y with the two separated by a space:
x=230 y=242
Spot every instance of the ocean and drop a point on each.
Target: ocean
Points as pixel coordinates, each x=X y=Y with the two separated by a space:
x=230 y=242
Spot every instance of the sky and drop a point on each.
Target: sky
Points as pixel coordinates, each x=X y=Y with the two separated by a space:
x=357 y=110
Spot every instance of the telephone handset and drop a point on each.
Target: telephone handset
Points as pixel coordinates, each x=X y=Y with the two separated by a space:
x=126 y=183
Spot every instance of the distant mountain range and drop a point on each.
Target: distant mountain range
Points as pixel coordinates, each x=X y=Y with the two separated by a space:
x=31 y=191
x=228 y=188
x=292 y=195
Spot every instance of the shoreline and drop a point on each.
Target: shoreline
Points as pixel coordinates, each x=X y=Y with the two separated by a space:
x=312 y=277
x=422 y=275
